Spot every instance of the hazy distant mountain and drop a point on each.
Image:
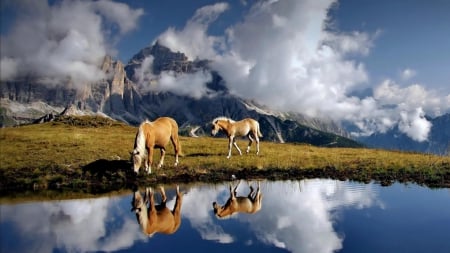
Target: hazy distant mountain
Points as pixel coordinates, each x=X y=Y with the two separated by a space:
x=438 y=140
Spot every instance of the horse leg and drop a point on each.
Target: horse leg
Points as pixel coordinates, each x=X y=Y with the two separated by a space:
x=250 y=140
x=176 y=147
x=163 y=194
x=230 y=143
x=257 y=144
x=163 y=154
x=149 y=160
x=250 y=195
x=236 y=146
x=152 y=209
x=177 y=208
x=233 y=192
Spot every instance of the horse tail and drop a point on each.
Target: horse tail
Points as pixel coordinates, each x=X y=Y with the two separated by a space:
x=259 y=131
x=180 y=151
x=175 y=137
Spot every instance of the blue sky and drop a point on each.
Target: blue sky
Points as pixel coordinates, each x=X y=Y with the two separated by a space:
x=314 y=54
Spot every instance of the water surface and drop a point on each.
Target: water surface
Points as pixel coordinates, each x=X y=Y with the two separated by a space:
x=296 y=216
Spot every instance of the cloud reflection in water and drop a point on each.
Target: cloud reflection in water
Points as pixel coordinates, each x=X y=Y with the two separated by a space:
x=296 y=215
x=73 y=225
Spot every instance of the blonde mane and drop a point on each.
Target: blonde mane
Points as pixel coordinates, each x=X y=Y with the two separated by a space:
x=140 y=139
x=223 y=118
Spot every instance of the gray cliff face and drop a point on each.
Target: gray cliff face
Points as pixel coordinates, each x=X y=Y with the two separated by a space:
x=115 y=94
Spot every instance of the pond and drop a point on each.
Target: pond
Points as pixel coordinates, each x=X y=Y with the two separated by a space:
x=315 y=215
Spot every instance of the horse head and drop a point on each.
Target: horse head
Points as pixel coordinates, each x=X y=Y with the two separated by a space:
x=215 y=127
x=136 y=158
x=139 y=206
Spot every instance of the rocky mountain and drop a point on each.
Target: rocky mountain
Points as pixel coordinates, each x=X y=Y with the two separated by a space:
x=117 y=96
x=23 y=100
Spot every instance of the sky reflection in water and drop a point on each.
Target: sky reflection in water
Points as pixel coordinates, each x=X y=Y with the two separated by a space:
x=296 y=216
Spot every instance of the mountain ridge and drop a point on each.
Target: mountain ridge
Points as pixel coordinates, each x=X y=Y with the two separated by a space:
x=118 y=96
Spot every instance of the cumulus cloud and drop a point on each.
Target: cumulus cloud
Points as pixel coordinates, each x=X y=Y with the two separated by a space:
x=65 y=40
x=185 y=84
x=415 y=125
x=289 y=50
x=193 y=39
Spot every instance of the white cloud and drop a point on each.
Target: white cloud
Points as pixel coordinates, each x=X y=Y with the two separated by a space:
x=407 y=74
x=184 y=84
x=415 y=125
x=119 y=14
x=144 y=74
x=193 y=40
x=68 y=39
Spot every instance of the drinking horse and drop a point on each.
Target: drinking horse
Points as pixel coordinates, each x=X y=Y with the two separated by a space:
x=243 y=204
x=157 y=218
x=246 y=127
x=155 y=134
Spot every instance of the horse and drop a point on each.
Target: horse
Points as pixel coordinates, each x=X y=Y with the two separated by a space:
x=248 y=204
x=155 y=134
x=246 y=127
x=157 y=218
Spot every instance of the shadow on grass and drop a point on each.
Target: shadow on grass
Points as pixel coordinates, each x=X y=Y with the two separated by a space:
x=106 y=175
x=103 y=167
x=198 y=155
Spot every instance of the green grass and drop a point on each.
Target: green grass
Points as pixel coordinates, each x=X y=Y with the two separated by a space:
x=91 y=155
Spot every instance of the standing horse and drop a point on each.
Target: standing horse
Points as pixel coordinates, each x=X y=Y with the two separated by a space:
x=152 y=135
x=248 y=204
x=157 y=218
x=246 y=127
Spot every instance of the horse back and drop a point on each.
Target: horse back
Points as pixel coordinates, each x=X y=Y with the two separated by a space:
x=161 y=130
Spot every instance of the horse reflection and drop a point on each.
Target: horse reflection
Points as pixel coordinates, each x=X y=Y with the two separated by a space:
x=245 y=204
x=157 y=218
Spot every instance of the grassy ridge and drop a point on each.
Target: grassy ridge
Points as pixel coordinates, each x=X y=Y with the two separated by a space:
x=92 y=155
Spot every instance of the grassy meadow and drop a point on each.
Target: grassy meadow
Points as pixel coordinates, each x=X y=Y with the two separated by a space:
x=91 y=155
